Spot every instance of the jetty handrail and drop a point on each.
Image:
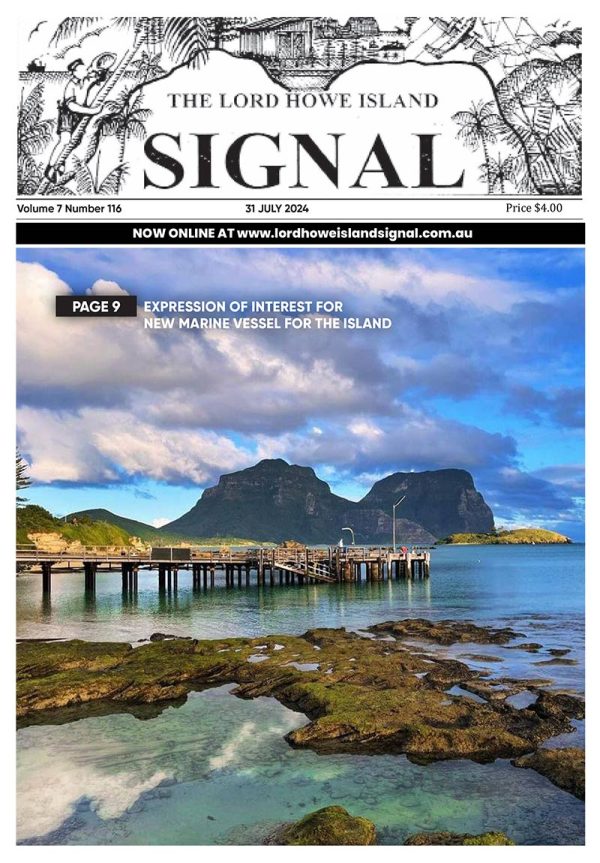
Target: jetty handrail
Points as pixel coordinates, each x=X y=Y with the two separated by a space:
x=260 y=556
x=88 y=552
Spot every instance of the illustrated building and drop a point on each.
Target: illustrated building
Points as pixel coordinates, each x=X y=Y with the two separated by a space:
x=282 y=38
x=362 y=26
x=286 y=39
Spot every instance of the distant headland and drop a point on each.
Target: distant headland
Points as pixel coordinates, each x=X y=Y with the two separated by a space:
x=519 y=536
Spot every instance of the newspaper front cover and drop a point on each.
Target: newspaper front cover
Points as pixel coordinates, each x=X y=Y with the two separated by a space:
x=300 y=447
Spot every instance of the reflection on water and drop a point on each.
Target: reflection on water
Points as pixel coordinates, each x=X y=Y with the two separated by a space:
x=485 y=583
x=537 y=590
x=111 y=614
x=187 y=777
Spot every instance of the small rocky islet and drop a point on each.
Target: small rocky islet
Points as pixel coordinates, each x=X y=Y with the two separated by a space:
x=492 y=837
x=375 y=692
x=332 y=825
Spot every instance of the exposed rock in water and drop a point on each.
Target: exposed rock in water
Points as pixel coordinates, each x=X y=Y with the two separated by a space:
x=276 y=501
x=332 y=825
x=530 y=647
x=444 y=631
x=563 y=767
x=552 y=704
x=447 y=838
x=557 y=661
x=367 y=695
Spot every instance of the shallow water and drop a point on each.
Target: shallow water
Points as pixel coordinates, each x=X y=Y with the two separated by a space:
x=189 y=777
x=117 y=779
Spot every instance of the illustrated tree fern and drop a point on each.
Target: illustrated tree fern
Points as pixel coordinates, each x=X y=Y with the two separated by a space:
x=184 y=41
x=537 y=114
x=89 y=184
x=33 y=136
x=541 y=103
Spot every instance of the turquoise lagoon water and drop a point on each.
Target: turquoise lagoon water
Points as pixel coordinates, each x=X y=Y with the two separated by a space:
x=218 y=770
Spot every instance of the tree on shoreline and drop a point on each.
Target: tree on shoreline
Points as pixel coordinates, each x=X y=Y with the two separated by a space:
x=23 y=479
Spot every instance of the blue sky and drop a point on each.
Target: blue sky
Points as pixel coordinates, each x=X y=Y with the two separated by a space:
x=483 y=369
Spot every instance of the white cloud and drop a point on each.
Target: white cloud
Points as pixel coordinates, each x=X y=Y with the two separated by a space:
x=100 y=446
x=104 y=287
x=371 y=279
x=364 y=428
x=412 y=439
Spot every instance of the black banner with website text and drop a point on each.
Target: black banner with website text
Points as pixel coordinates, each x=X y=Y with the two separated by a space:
x=304 y=234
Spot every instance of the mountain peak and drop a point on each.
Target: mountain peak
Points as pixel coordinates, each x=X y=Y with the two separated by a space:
x=270 y=462
x=436 y=499
x=274 y=500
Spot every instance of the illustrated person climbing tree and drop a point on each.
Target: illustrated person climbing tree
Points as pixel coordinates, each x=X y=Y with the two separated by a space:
x=183 y=40
x=71 y=110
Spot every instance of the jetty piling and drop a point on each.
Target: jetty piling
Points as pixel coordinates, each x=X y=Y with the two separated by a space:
x=241 y=567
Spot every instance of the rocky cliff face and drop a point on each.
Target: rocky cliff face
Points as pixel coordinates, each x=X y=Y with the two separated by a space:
x=375 y=526
x=436 y=499
x=276 y=501
x=271 y=501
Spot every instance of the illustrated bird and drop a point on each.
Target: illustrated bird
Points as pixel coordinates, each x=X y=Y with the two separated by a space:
x=79 y=42
x=566 y=24
x=36 y=28
x=554 y=24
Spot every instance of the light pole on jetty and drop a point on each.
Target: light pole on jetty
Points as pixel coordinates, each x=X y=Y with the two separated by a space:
x=398 y=502
x=351 y=531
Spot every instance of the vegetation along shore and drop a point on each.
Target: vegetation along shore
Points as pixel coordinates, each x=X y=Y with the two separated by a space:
x=519 y=536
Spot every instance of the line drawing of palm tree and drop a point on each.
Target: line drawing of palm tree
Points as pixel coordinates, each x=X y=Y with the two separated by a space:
x=183 y=40
x=499 y=171
x=125 y=119
x=479 y=127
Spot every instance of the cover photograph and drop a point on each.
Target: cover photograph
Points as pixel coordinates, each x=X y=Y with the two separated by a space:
x=300 y=521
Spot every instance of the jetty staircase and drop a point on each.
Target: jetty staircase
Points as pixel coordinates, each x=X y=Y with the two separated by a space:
x=316 y=571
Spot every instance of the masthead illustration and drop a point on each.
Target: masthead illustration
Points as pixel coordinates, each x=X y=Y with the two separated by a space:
x=103 y=75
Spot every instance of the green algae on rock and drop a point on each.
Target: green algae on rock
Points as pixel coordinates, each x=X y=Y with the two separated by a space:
x=366 y=695
x=519 y=536
x=447 y=838
x=332 y=825
x=565 y=768
x=444 y=631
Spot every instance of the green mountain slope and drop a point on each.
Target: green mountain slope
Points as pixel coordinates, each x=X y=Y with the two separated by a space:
x=35 y=519
x=130 y=525
x=155 y=535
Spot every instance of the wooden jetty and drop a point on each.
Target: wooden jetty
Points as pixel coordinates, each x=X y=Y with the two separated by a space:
x=244 y=566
